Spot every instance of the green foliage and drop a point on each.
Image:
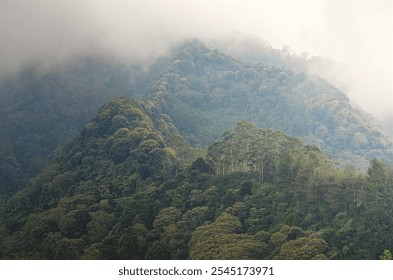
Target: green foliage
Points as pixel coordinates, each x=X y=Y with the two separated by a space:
x=303 y=248
x=222 y=240
x=387 y=255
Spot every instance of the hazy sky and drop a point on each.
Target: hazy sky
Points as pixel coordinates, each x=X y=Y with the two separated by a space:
x=358 y=34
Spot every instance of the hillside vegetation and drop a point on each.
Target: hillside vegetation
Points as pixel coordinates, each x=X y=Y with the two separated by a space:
x=120 y=191
x=199 y=156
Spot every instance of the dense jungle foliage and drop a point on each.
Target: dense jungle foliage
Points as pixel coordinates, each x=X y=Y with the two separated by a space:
x=120 y=191
x=210 y=158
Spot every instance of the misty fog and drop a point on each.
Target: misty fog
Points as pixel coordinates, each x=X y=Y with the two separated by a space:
x=357 y=36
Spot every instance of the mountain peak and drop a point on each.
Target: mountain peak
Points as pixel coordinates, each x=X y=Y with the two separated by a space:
x=195 y=51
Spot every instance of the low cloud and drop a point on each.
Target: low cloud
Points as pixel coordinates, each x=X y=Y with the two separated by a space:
x=356 y=34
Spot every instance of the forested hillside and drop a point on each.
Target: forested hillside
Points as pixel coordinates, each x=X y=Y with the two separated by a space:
x=120 y=191
x=198 y=156
x=203 y=91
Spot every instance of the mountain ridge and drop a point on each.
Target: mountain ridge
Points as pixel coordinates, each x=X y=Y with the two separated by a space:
x=198 y=75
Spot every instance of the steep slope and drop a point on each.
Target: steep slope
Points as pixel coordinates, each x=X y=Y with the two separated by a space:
x=118 y=153
x=207 y=92
x=118 y=191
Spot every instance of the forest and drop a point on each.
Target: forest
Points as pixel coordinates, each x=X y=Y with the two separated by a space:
x=201 y=157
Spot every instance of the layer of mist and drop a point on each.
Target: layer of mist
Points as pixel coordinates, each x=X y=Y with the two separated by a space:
x=354 y=38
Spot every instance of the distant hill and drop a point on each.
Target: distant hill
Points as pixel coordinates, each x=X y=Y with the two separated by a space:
x=207 y=92
x=42 y=110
